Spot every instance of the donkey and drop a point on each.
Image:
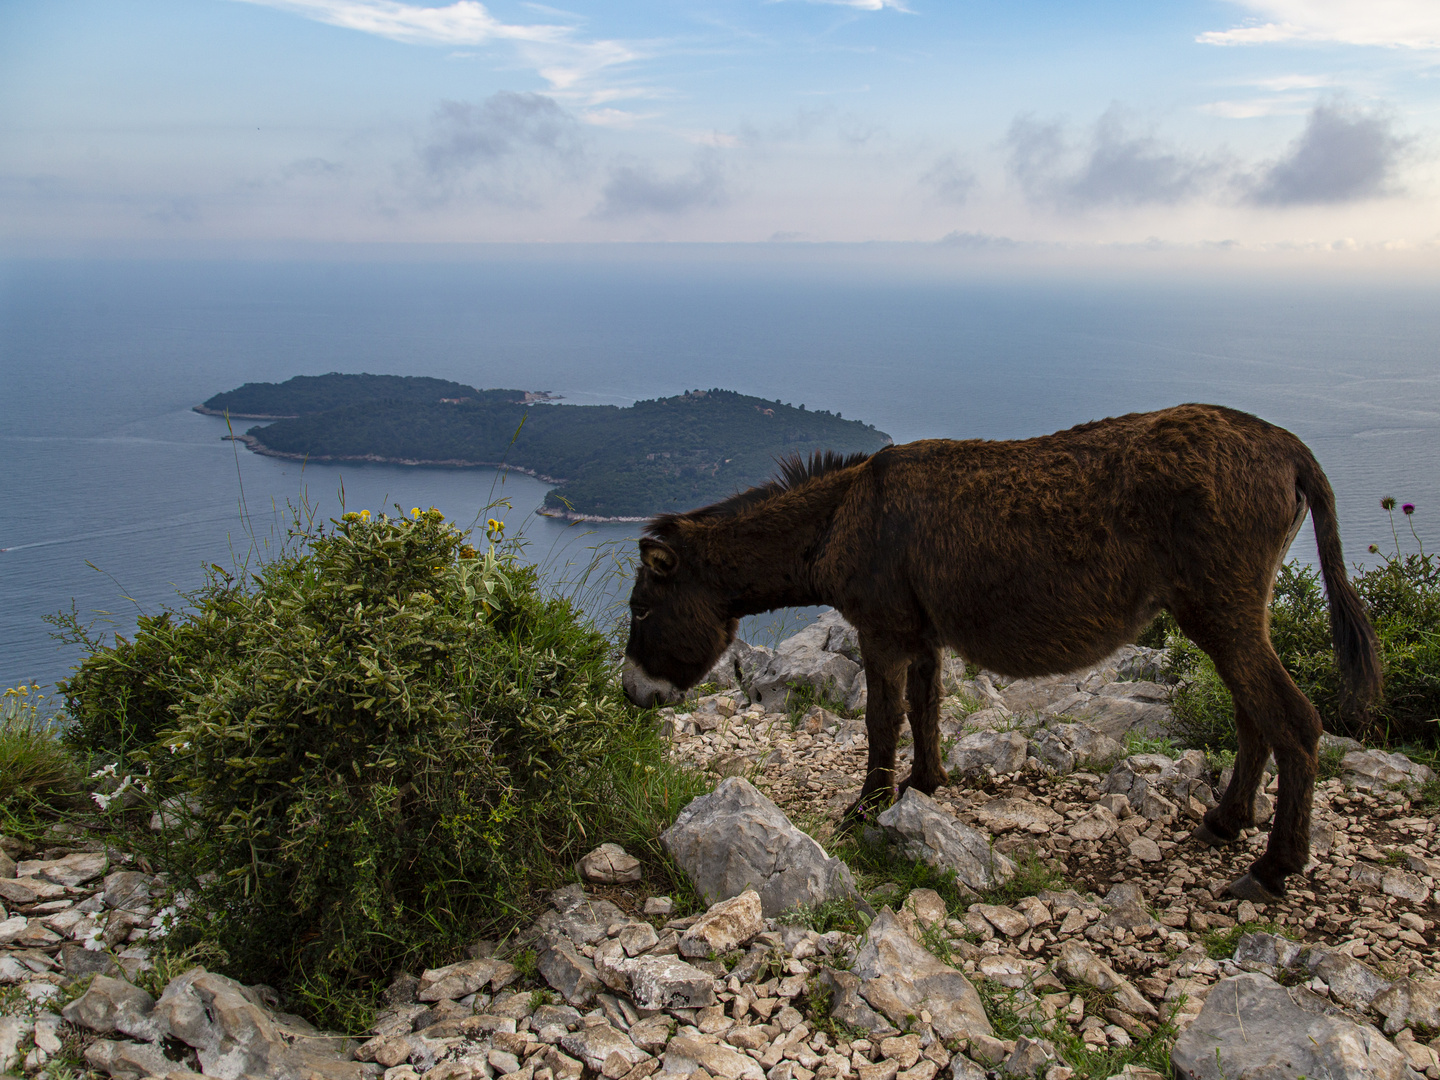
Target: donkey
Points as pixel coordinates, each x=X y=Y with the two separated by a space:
x=1028 y=558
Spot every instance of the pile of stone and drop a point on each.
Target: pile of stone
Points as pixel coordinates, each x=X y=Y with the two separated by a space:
x=1338 y=979
x=66 y=913
x=1038 y=768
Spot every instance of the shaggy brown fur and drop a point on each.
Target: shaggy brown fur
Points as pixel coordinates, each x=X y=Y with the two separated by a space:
x=1028 y=558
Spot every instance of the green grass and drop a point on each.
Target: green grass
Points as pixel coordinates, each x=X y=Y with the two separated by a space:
x=1032 y=875
x=1330 y=759
x=1220 y=943
x=1137 y=743
x=803 y=697
x=38 y=775
x=840 y=914
x=1003 y=1009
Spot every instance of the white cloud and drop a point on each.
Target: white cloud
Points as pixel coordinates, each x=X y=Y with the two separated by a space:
x=867 y=5
x=1411 y=24
x=550 y=48
x=464 y=22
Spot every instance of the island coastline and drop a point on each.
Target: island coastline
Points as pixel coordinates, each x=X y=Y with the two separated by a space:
x=256 y=446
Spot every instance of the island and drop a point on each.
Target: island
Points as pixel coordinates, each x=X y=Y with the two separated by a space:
x=607 y=463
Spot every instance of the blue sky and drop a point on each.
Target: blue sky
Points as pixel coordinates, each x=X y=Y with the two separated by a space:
x=1306 y=129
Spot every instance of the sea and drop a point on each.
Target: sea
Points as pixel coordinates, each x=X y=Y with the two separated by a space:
x=115 y=496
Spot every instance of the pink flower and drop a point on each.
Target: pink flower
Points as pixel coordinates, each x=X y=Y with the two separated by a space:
x=1408 y=509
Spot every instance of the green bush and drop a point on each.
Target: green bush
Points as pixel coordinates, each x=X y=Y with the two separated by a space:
x=1403 y=597
x=391 y=744
x=36 y=771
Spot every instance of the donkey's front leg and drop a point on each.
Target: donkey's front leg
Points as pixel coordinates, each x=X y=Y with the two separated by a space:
x=885 y=681
x=924 y=692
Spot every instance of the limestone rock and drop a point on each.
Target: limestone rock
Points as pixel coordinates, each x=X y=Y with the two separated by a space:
x=466 y=977
x=128 y=1060
x=579 y=917
x=594 y=1045
x=128 y=890
x=998 y=751
x=1052 y=752
x=1375 y=770
x=808 y=659
x=1007 y=920
x=667 y=982
x=736 y=839
x=610 y=864
x=111 y=1005
x=227 y=1025
x=725 y=927
x=849 y=1007
x=934 y=836
x=1252 y=1026
x=1098 y=824
x=1002 y=815
x=72 y=870
x=1391 y=881
x=685 y=1055
x=899 y=978
x=29 y=890
x=568 y=972
x=12 y=1030
x=1084 y=966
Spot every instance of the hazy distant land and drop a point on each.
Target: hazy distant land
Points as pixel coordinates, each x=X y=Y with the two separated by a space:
x=608 y=463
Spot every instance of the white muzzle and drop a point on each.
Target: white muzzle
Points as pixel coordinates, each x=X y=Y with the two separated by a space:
x=645 y=690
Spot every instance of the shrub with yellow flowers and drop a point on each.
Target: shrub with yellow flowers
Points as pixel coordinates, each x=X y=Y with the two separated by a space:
x=375 y=748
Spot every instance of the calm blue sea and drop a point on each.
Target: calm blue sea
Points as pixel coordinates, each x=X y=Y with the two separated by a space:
x=113 y=494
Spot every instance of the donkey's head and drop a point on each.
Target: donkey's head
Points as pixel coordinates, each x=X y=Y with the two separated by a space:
x=679 y=624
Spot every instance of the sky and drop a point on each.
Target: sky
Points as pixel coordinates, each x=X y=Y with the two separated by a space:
x=1307 y=129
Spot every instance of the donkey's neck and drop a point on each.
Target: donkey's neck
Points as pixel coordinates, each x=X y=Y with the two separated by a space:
x=764 y=557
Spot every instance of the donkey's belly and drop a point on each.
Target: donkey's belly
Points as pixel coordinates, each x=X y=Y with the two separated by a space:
x=1029 y=636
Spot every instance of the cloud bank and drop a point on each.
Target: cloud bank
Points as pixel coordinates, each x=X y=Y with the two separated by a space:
x=635 y=190
x=1112 y=167
x=1343 y=155
x=503 y=149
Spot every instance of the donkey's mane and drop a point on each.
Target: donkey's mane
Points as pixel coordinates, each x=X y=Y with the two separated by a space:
x=795 y=472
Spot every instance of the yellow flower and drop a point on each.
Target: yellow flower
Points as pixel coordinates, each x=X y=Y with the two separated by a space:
x=415 y=511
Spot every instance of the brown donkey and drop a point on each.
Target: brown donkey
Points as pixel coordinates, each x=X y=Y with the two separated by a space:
x=1027 y=558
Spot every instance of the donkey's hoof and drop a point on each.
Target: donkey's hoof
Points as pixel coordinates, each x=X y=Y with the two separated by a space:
x=1251 y=888
x=1205 y=835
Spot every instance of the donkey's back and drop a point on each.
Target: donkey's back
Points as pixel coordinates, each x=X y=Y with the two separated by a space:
x=1044 y=555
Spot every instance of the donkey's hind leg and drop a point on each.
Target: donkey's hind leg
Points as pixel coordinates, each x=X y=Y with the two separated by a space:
x=1283 y=719
x=1236 y=810
x=923 y=696
x=1292 y=728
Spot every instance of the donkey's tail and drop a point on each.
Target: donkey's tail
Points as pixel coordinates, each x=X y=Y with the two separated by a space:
x=1356 y=650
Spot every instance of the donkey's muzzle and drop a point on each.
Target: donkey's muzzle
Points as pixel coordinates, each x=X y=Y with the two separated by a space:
x=643 y=689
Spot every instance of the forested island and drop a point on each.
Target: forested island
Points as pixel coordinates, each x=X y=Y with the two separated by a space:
x=657 y=456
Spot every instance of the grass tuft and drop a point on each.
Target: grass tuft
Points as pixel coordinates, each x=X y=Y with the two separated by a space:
x=37 y=772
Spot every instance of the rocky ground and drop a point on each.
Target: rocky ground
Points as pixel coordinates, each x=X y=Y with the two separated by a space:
x=1137 y=955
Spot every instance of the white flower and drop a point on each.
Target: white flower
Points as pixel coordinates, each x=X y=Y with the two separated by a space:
x=104 y=801
x=108 y=770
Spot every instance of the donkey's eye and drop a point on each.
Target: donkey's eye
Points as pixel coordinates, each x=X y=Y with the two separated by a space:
x=639 y=613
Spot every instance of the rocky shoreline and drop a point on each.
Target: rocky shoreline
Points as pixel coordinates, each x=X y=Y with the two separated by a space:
x=1138 y=953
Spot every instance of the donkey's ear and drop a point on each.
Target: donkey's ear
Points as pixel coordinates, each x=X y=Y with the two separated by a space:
x=658 y=556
